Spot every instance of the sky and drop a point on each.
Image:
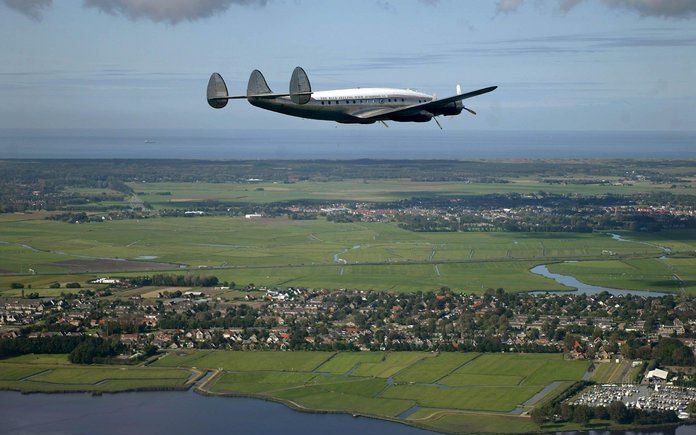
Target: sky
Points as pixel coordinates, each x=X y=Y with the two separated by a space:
x=559 y=64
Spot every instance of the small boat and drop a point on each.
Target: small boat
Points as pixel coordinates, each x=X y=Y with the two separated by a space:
x=150 y=141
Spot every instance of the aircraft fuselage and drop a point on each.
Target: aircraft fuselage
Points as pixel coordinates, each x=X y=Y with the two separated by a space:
x=341 y=105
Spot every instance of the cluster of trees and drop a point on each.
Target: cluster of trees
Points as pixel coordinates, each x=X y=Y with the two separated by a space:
x=242 y=316
x=297 y=216
x=342 y=218
x=92 y=350
x=24 y=345
x=70 y=217
x=667 y=351
x=173 y=280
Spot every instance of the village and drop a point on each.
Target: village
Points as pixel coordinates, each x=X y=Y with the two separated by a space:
x=597 y=327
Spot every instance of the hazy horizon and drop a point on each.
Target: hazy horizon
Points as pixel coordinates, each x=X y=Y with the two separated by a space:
x=343 y=144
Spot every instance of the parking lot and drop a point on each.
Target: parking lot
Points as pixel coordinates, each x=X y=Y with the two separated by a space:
x=663 y=398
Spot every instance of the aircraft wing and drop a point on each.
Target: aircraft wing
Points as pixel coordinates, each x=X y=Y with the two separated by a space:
x=378 y=113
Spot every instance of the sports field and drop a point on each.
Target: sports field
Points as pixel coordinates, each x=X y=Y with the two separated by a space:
x=324 y=254
x=387 y=384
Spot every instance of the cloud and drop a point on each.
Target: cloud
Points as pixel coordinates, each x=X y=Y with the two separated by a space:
x=31 y=8
x=657 y=8
x=594 y=42
x=169 y=11
x=566 y=5
x=647 y=8
x=508 y=6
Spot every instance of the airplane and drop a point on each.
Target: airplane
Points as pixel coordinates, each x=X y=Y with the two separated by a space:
x=346 y=106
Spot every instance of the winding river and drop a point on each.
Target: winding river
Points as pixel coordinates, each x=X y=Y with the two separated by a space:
x=583 y=288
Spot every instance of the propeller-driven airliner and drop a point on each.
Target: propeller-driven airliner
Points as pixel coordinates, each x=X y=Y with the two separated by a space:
x=346 y=106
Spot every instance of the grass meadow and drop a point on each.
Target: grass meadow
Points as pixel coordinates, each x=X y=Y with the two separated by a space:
x=385 y=384
x=277 y=252
x=186 y=194
x=53 y=373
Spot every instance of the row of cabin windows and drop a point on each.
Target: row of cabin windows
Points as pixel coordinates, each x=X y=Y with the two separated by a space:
x=381 y=100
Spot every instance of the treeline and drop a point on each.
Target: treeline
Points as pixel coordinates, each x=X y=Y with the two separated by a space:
x=81 y=349
x=24 y=345
x=111 y=173
x=173 y=280
x=92 y=350
x=616 y=412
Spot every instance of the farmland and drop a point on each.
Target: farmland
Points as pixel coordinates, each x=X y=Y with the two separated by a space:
x=661 y=274
x=184 y=194
x=324 y=254
x=612 y=372
x=53 y=373
x=387 y=384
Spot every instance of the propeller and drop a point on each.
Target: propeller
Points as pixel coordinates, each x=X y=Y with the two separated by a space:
x=437 y=122
x=459 y=92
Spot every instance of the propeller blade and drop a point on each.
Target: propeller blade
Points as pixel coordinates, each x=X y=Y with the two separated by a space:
x=437 y=122
x=469 y=110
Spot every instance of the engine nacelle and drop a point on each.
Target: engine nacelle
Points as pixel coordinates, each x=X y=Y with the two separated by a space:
x=454 y=108
x=422 y=116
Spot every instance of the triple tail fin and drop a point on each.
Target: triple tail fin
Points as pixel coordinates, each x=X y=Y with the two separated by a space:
x=257 y=84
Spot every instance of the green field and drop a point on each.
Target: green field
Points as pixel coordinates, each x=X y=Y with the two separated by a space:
x=615 y=373
x=432 y=369
x=667 y=275
x=53 y=373
x=385 y=384
x=438 y=420
x=246 y=361
x=185 y=194
x=324 y=254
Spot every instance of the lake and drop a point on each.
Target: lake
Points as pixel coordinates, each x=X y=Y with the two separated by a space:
x=177 y=412
x=172 y=413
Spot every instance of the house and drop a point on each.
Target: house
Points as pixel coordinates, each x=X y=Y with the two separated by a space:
x=657 y=374
x=129 y=339
x=105 y=281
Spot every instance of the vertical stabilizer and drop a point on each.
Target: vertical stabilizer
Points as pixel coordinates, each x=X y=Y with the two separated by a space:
x=257 y=84
x=217 y=91
x=300 y=89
